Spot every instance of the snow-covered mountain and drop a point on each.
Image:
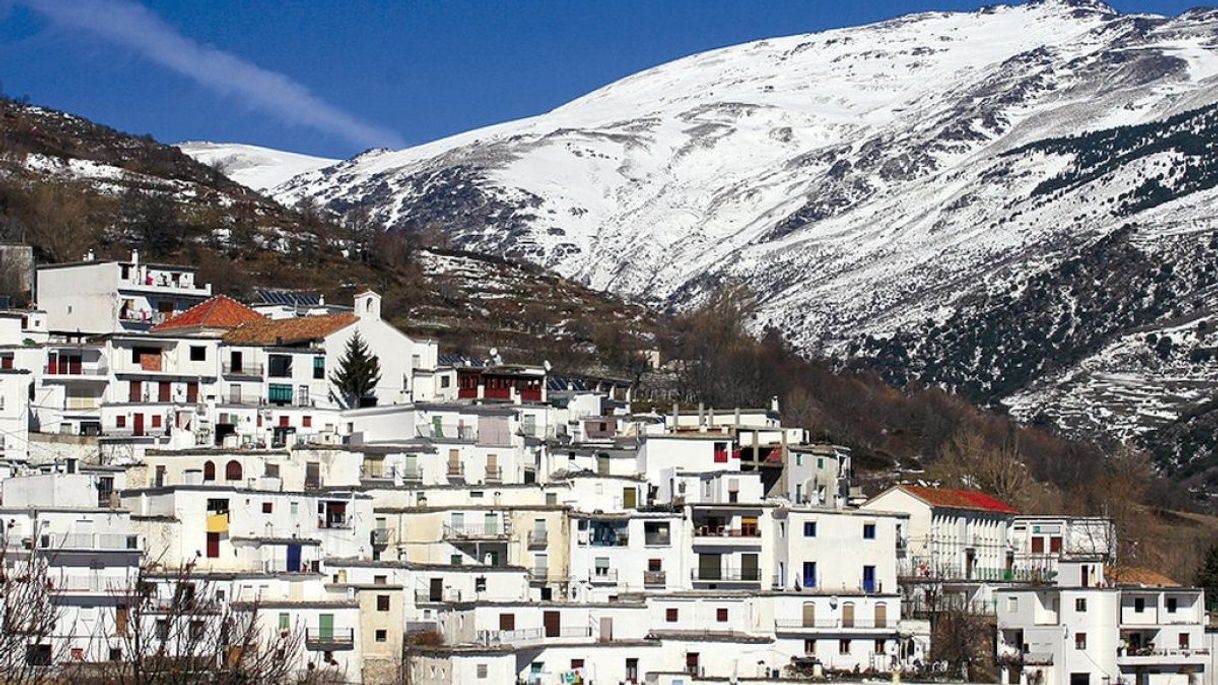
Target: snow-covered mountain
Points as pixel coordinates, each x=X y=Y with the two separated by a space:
x=916 y=194
x=252 y=166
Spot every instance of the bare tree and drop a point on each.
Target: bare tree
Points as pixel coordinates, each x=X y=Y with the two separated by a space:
x=33 y=640
x=172 y=628
x=61 y=219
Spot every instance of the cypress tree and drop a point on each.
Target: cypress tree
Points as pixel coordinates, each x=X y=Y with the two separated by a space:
x=358 y=371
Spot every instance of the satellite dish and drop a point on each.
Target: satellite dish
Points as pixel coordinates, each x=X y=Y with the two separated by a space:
x=494 y=352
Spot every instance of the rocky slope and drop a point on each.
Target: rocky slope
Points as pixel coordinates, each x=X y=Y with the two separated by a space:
x=889 y=191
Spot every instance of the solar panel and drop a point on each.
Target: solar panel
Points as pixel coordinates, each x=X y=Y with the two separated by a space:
x=288 y=298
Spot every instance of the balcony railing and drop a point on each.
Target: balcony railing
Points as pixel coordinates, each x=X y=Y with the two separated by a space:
x=604 y=576
x=621 y=539
x=90 y=541
x=456 y=469
x=657 y=539
x=449 y=432
x=329 y=638
x=474 y=531
x=494 y=474
x=831 y=623
x=539 y=538
x=380 y=536
x=539 y=572
x=247 y=369
x=726 y=575
x=54 y=371
x=655 y=578
x=704 y=531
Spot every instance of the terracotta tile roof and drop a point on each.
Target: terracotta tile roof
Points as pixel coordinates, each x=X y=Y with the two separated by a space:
x=959 y=499
x=1137 y=576
x=220 y=311
x=288 y=331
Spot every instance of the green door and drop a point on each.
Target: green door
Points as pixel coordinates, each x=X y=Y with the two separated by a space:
x=325 y=626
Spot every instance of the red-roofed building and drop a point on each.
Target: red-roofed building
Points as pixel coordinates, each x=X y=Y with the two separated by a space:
x=962 y=536
x=213 y=317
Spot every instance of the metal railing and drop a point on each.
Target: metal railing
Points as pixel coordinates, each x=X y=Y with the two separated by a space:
x=250 y=369
x=330 y=636
x=470 y=531
x=616 y=540
x=606 y=576
x=455 y=469
x=448 y=432
x=494 y=474
x=90 y=541
x=726 y=574
x=832 y=623
x=53 y=370
x=539 y=538
x=703 y=531
x=380 y=536
x=655 y=578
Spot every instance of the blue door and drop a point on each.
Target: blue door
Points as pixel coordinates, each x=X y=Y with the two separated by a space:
x=809 y=575
x=293 y=559
x=868 y=579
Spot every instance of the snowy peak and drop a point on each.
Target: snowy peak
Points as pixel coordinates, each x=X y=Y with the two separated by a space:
x=255 y=167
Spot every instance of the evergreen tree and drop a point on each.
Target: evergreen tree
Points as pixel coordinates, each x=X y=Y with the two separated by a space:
x=1207 y=576
x=359 y=371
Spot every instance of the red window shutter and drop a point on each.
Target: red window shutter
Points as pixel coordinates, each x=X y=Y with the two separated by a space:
x=283 y=422
x=307 y=422
x=156 y=420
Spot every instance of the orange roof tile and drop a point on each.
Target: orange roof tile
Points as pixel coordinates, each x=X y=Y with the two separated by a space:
x=220 y=311
x=959 y=499
x=1137 y=576
x=288 y=331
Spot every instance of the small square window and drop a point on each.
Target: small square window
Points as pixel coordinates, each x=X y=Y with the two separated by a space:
x=721 y=615
x=1080 y=640
x=481 y=671
x=382 y=602
x=268 y=507
x=868 y=531
x=670 y=615
x=382 y=635
x=1080 y=604
x=1139 y=605
x=198 y=353
x=380 y=580
x=809 y=529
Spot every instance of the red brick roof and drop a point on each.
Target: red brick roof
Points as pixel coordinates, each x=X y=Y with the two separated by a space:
x=959 y=499
x=220 y=311
x=288 y=331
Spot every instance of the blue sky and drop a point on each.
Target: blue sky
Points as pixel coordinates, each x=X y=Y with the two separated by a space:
x=333 y=78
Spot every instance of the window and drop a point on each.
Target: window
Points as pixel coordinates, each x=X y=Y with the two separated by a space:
x=670 y=615
x=1012 y=604
x=120 y=422
x=232 y=470
x=284 y=621
x=809 y=646
x=198 y=353
x=445 y=381
x=116 y=654
x=1183 y=640
x=380 y=580
x=382 y=602
x=1080 y=604
x=279 y=393
x=279 y=366
x=1171 y=605
x=868 y=531
x=721 y=615
x=809 y=529
x=1080 y=640
x=196 y=630
x=306 y=421
x=382 y=635
x=1139 y=605
x=879 y=647
x=209 y=470
x=268 y=507
x=162 y=629
x=843 y=646
x=481 y=671
x=319 y=368
x=156 y=420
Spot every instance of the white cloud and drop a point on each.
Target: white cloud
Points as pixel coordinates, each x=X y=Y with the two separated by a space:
x=136 y=27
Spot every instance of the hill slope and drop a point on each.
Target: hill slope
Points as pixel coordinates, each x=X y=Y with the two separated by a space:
x=874 y=185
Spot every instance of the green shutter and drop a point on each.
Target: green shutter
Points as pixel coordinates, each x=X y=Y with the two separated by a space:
x=284 y=622
x=280 y=393
x=325 y=626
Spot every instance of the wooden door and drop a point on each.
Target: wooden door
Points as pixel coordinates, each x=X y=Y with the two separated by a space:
x=135 y=393
x=507 y=621
x=165 y=392
x=848 y=615
x=435 y=591
x=552 y=620
x=137 y=424
x=192 y=392
x=748 y=567
x=629 y=497
x=606 y=629
x=809 y=616
x=881 y=616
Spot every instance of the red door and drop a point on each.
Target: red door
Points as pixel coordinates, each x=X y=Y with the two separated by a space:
x=192 y=392
x=165 y=392
x=552 y=622
x=137 y=427
x=135 y=394
x=213 y=545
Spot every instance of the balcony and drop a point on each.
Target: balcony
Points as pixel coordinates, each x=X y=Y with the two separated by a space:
x=455 y=432
x=833 y=623
x=619 y=539
x=474 y=531
x=90 y=541
x=1151 y=656
x=329 y=639
x=654 y=579
x=455 y=470
x=538 y=538
x=726 y=575
x=704 y=534
x=604 y=576
x=243 y=370
x=53 y=372
x=494 y=474
x=380 y=537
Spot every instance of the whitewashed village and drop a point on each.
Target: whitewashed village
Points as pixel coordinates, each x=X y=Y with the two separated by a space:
x=176 y=462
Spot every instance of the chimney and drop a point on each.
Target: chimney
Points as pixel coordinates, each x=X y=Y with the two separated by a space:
x=701 y=414
x=135 y=257
x=774 y=403
x=321 y=300
x=676 y=415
